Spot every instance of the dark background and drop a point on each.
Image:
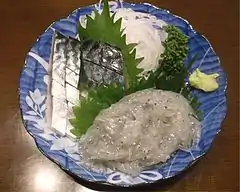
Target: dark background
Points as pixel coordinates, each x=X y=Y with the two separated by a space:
x=21 y=164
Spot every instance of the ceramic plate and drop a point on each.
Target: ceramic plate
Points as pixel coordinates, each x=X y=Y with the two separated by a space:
x=34 y=84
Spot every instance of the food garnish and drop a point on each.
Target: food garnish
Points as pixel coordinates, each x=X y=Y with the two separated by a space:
x=203 y=81
x=170 y=75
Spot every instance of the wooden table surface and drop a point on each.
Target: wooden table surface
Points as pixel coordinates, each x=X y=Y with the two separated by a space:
x=24 y=169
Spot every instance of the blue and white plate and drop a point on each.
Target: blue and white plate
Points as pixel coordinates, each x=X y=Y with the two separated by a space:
x=63 y=151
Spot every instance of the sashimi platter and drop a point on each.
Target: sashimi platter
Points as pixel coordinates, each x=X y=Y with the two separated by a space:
x=122 y=94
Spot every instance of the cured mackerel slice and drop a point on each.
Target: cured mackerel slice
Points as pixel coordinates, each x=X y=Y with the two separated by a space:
x=64 y=76
x=70 y=115
x=59 y=59
x=59 y=115
x=72 y=94
x=71 y=68
x=101 y=64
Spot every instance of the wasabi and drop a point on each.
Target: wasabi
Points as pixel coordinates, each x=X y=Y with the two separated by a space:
x=202 y=81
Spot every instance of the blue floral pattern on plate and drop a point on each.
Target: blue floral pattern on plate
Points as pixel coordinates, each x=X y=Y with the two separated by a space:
x=63 y=151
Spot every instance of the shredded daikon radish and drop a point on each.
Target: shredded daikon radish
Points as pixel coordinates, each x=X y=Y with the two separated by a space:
x=146 y=30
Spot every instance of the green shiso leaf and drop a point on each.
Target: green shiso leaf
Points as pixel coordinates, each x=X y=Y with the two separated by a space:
x=98 y=99
x=103 y=28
